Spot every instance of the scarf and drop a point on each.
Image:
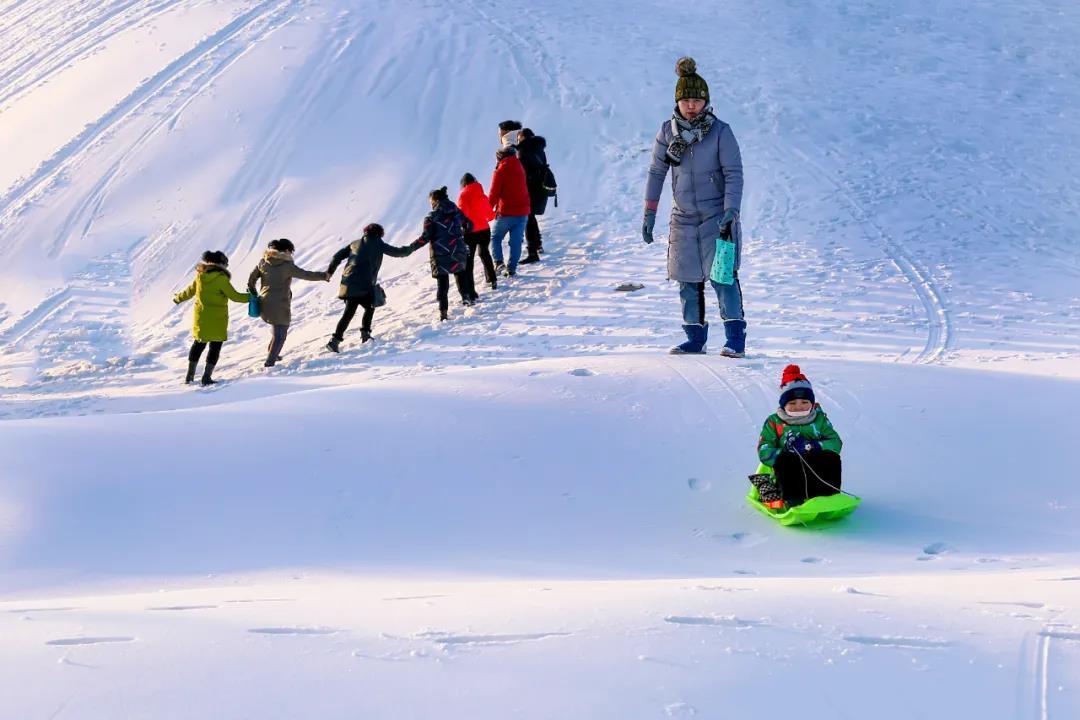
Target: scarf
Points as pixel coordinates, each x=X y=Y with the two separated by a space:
x=687 y=132
x=793 y=420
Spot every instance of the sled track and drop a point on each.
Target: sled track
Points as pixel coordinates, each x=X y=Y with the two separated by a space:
x=186 y=69
x=33 y=70
x=939 y=321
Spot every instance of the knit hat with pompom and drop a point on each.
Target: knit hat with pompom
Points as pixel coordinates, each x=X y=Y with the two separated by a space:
x=794 y=386
x=690 y=85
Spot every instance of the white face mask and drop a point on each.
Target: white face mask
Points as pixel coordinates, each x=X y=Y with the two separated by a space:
x=799 y=413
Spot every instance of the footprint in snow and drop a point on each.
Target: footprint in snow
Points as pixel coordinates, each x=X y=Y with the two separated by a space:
x=680 y=710
x=898 y=642
x=43 y=610
x=812 y=560
x=183 y=607
x=935 y=549
x=1017 y=603
x=91 y=640
x=698 y=484
x=441 y=638
x=718 y=621
x=582 y=372
x=293 y=631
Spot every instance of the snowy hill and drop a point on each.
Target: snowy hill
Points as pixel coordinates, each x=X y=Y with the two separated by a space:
x=532 y=510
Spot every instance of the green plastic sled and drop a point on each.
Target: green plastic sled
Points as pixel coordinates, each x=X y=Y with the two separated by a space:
x=814 y=510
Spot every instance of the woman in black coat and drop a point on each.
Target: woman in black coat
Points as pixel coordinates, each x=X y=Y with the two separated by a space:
x=362 y=259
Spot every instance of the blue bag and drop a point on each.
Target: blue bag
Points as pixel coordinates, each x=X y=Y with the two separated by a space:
x=253 y=305
x=723 y=266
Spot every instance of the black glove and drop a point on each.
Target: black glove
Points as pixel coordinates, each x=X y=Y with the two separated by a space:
x=647 y=226
x=731 y=216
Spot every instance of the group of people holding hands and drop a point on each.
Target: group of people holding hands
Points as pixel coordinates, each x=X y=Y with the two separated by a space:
x=455 y=233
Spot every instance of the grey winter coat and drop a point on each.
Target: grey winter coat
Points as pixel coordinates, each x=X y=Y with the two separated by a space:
x=276 y=271
x=708 y=181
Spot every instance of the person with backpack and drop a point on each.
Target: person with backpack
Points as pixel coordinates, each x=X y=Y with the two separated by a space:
x=539 y=180
x=707 y=186
x=360 y=280
x=212 y=289
x=444 y=232
x=509 y=196
x=275 y=273
x=475 y=205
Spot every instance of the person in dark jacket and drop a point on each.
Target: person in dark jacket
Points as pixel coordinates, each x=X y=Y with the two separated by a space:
x=362 y=259
x=275 y=273
x=531 y=151
x=444 y=232
x=475 y=204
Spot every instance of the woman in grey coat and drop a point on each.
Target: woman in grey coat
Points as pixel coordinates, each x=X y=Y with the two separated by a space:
x=275 y=273
x=706 y=187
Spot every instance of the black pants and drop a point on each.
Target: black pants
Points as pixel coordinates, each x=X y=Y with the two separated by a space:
x=197 y=350
x=533 y=242
x=481 y=241
x=444 y=290
x=277 y=342
x=350 y=311
x=798 y=483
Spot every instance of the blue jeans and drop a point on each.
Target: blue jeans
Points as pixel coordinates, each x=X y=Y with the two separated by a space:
x=515 y=225
x=692 y=297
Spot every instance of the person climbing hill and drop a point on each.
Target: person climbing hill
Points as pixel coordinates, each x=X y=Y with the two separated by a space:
x=212 y=289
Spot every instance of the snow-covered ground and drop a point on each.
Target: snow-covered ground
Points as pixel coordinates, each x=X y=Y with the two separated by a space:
x=532 y=510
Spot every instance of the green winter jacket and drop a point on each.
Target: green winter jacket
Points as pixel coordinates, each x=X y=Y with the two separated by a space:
x=212 y=290
x=771 y=442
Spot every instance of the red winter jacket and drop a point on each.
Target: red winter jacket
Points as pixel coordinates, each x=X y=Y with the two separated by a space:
x=476 y=206
x=509 y=193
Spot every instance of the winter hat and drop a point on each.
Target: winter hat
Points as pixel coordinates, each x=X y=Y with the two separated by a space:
x=690 y=85
x=508 y=132
x=374 y=230
x=794 y=386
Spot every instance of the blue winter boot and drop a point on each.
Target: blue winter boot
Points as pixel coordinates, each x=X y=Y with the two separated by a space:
x=696 y=335
x=735 y=344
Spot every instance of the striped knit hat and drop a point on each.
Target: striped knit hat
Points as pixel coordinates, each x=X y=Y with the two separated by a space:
x=794 y=386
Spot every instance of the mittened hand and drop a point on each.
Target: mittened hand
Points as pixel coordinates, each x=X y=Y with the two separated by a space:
x=647 y=226
x=731 y=216
x=802 y=446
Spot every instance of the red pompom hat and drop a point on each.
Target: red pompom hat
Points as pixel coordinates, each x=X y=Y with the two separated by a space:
x=794 y=386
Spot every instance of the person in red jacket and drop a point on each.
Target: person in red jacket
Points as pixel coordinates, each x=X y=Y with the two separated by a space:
x=475 y=204
x=509 y=197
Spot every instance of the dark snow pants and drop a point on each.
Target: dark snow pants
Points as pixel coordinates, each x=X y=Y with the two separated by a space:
x=533 y=242
x=444 y=290
x=350 y=311
x=479 y=241
x=277 y=342
x=197 y=350
x=799 y=483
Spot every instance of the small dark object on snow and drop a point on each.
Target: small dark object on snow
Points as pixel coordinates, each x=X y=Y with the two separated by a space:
x=630 y=287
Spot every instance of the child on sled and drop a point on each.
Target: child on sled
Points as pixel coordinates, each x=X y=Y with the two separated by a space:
x=799 y=449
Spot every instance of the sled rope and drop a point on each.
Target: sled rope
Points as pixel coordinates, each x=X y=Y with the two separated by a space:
x=806 y=480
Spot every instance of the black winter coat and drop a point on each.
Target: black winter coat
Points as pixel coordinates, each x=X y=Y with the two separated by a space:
x=531 y=152
x=444 y=231
x=364 y=257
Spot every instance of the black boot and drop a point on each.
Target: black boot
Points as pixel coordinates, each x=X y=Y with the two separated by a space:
x=190 y=377
x=334 y=345
x=207 y=372
x=365 y=335
x=530 y=259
